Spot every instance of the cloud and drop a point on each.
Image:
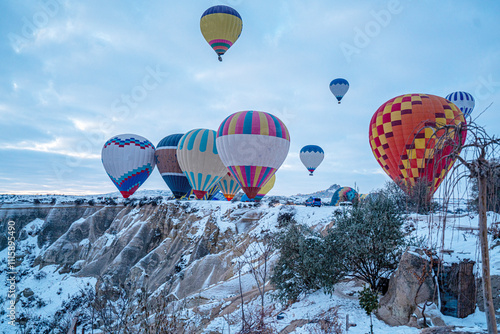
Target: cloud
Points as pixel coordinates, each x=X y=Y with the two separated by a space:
x=84 y=75
x=56 y=146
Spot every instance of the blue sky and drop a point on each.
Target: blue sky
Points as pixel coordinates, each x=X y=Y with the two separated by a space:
x=73 y=74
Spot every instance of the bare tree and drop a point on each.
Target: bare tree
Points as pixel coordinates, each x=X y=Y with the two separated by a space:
x=480 y=164
x=258 y=261
x=256 y=257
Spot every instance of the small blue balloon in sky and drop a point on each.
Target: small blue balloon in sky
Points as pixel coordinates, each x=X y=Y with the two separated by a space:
x=339 y=87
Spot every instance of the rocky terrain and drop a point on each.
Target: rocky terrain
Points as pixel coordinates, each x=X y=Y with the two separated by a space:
x=204 y=259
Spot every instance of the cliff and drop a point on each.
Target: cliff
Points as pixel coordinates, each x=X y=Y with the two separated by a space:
x=199 y=260
x=189 y=245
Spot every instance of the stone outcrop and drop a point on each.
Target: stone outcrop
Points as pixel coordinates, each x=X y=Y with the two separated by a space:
x=410 y=285
x=75 y=239
x=145 y=245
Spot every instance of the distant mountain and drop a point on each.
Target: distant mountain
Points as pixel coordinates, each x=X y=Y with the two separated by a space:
x=58 y=198
x=322 y=193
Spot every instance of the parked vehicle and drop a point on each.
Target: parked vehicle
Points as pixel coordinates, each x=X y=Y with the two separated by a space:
x=316 y=202
x=313 y=202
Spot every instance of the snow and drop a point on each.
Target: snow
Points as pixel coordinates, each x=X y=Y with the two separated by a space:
x=48 y=285
x=84 y=242
x=460 y=242
x=460 y=238
x=109 y=239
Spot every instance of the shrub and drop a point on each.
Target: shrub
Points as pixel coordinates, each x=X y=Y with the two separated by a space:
x=40 y=275
x=329 y=322
x=305 y=263
x=286 y=217
x=418 y=201
x=368 y=300
x=371 y=239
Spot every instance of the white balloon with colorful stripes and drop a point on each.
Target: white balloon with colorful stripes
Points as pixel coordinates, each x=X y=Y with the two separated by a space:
x=198 y=158
x=252 y=145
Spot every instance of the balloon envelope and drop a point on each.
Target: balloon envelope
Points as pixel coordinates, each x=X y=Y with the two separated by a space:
x=262 y=192
x=406 y=143
x=211 y=192
x=221 y=26
x=463 y=100
x=311 y=156
x=200 y=161
x=168 y=165
x=266 y=188
x=209 y=195
x=344 y=194
x=253 y=145
x=229 y=186
x=129 y=160
x=339 y=87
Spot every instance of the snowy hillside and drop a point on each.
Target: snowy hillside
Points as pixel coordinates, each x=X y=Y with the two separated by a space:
x=201 y=254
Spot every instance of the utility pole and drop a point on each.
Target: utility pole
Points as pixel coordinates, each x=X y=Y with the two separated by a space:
x=482 y=170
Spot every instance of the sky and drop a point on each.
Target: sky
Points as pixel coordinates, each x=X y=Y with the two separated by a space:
x=74 y=74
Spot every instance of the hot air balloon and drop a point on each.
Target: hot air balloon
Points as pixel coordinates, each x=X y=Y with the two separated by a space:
x=311 y=156
x=464 y=101
x=168 y=166
x=199 y=160
x=406 y=143
x=245 y=198
x=221 y=26
x=229 y=186
x=344 y=194
x=129 y=160
x=262 y=192
x=253 y=145
x=265 y=189
x=211 y=192
x=339 y=87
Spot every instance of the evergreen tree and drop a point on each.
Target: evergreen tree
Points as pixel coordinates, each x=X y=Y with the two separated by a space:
x=370 y=239
x=304 y=264
x=368 y=300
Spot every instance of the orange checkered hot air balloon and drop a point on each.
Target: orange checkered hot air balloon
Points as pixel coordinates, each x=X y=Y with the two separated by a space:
x=406 y=142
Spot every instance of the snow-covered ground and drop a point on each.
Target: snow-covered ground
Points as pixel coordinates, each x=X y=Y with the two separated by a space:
x=43 y=290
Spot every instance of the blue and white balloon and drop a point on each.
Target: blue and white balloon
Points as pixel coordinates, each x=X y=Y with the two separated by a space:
x=339 y=87
x=311 y=156
x=463 y=100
